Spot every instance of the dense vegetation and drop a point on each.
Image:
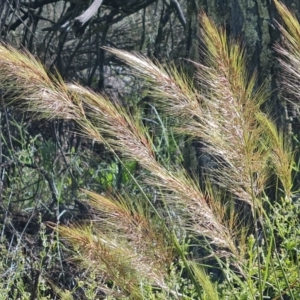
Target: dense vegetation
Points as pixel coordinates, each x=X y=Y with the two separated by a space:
x=132 y=222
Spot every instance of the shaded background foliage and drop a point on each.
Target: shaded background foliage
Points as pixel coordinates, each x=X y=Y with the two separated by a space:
x=46 y=28
x=43 y=165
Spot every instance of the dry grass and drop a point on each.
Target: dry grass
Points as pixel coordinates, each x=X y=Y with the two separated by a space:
x=130 y=242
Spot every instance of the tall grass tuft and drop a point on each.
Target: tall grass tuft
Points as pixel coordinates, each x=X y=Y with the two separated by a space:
x=139 y=245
